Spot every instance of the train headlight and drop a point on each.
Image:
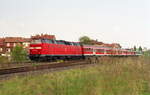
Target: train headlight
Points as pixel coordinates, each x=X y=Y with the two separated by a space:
x=35 y=48
x=38 y=48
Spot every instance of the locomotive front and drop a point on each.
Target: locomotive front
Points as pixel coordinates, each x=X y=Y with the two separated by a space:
x=35 y=49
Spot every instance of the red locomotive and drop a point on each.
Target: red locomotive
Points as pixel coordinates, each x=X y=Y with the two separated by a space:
x=48 y=49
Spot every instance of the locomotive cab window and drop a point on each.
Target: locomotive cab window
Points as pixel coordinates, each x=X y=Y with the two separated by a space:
x=45 y=41
x=51 y=41
x=54 y=41
x=38 y=41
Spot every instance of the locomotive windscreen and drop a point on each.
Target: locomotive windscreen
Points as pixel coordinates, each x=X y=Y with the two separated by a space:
x=38 y=41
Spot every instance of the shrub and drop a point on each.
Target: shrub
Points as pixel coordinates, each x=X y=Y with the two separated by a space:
x=19 y=54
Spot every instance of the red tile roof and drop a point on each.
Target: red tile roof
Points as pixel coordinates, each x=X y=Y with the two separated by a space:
x=113 y=45
x=27 y=40
x=96 y=42
x=17 y=39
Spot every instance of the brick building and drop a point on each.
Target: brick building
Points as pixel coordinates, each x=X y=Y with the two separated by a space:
x=113 y=45
x=8 y=43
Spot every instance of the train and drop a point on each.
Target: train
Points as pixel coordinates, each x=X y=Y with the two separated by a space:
x=47 y=50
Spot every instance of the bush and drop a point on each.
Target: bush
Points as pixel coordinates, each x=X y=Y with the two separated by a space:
x=19 y=54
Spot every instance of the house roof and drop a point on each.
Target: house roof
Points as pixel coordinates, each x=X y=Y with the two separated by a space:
x=17 y=39
x=113 y=45
x=96 y=42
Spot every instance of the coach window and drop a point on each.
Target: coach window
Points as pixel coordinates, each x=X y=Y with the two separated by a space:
x=88 y=49
x=8 y=44
x=108 y=51
x=100 y=50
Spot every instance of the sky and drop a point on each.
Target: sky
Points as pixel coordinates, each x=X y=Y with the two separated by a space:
x=111 y=21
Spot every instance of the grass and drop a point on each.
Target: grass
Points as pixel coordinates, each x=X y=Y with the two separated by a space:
x=124 y=76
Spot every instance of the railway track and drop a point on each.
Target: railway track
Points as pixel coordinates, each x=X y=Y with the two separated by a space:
x=26 y=69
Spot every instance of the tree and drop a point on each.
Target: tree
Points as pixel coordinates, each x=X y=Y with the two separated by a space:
x=140 y=49
x=18 y=54
x=134 y=48
x=85 y=40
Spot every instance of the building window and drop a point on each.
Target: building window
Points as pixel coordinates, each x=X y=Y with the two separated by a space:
x=8 y=44
x=1 y=49
x=8 y=50
x=14 y=44
x=26 y=44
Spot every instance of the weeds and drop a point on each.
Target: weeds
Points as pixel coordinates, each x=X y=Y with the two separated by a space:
x=124 y=76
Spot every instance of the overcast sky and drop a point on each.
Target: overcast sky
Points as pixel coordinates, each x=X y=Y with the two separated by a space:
x=112 y=21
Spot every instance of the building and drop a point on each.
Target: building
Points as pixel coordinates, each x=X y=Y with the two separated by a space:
x=95 y=42
x=2 y=47
x=113 y=45
x=8 y=43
